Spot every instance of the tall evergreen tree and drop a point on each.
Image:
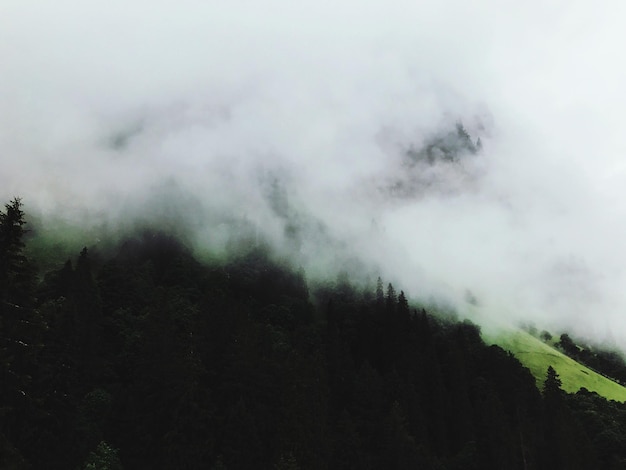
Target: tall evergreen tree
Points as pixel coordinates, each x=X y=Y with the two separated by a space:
x=390 y=299
x=552 y=384
x=20 y=330
x=380 y=293
x=16 y=280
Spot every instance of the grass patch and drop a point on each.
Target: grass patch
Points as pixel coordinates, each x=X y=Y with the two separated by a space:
x=537 y=356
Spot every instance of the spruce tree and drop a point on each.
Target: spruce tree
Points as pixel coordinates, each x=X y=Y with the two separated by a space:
x=20 y=331
x=15 y=275
x=552 y=384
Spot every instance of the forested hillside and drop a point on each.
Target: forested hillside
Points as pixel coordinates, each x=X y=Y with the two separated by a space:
x=144 y=357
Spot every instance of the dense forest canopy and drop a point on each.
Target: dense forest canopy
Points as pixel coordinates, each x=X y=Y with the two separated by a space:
x=146 y=357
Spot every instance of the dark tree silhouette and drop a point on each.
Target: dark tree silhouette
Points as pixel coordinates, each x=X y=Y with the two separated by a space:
x=147 y=358
x=552 y=384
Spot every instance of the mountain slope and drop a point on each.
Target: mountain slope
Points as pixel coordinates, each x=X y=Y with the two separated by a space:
x=537 y=356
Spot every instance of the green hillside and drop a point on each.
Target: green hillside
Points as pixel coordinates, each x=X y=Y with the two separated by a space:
x=537 y=356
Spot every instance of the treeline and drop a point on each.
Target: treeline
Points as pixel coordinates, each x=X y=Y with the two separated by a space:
x=147 y=358
x=607 y=362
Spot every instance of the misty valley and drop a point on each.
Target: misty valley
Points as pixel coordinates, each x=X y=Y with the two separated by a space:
x=136 y=353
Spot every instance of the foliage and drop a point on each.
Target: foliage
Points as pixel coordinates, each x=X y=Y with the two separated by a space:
x=243 y=364
x=545 y=336
x=537 y=356
x=552 y=384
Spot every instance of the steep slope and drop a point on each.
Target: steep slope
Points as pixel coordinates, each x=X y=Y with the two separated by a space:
x=537 y=356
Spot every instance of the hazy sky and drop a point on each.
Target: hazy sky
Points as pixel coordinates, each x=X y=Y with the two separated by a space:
x=102 y=102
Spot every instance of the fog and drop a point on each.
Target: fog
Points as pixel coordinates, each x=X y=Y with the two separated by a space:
x=278 y=114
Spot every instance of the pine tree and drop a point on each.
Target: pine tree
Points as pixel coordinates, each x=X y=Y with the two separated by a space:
x=20 y=329
x=552 y=384
x=390 y=298
x=17 y=293
x=403 y=305
x=16 y=278
x=380 y=293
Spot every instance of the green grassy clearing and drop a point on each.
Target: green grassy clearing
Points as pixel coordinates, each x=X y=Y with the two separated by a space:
x=537 y=356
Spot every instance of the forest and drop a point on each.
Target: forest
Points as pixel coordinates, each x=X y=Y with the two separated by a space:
x=143 y=356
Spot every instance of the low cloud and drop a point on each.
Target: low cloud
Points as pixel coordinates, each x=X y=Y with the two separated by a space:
x=301 y=119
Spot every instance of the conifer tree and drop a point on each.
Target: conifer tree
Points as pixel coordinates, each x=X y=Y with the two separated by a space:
x=403 y=304
x=552 y=384
x=391 y=298
x=380 y=293
x=15 y=283
x=20 y=329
